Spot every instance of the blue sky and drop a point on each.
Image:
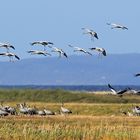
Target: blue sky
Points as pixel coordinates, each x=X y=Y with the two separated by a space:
x=61 y=21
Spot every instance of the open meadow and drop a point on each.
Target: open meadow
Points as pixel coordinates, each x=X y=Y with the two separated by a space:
x=94 y=116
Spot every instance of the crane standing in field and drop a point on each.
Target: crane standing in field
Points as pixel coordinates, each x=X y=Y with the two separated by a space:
x=3 y=113
x=48 y=112
x=65 y=110
x=10 y=110
x=22 y=109
x=136 y=110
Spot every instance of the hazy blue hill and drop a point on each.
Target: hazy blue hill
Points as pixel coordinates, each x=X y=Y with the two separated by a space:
x=115 y=69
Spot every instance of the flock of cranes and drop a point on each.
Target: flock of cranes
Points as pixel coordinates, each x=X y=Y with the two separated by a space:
x=48 y=44
x=61 y=52
x=27 y=110
x=23 y=108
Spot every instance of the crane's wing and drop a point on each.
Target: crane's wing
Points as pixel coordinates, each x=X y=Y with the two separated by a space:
x=48 y=53
x=77 y=48
x=54 y=48
x=65 y=55
x=92 y=48
x=50 y=43
x=87 y=30
x=112 y=89
x=125 y=28
x=2 y=53
x=104 y=53
x=31 y=51
x=89 y=53
x=95 y=35
x=17 y=57
x=12 y=47
x=122 y=91
x=137 y=74
x=36 y=42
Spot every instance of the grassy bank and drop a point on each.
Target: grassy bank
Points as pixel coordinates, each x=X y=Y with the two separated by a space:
x=57 y=96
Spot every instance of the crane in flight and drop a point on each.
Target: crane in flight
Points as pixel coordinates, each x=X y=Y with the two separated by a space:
x=44 y=43
x=100 y=50
x=33 y=52
x=10 y=55
x=60 y=51
x=92 y=33
x=7 y=46
x=115 y=92
x=78 y=49
x=114 y=25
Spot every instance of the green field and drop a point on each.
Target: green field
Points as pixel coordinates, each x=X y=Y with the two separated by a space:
x=94 y=117
x=58 y=95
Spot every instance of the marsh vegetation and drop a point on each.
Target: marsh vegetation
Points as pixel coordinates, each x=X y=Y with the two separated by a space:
x=94 y=117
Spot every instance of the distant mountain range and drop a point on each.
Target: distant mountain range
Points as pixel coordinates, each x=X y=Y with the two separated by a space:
x=117 y=69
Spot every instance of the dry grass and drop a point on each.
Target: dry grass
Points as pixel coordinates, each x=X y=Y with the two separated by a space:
x=70 y=127
x=87 y=124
